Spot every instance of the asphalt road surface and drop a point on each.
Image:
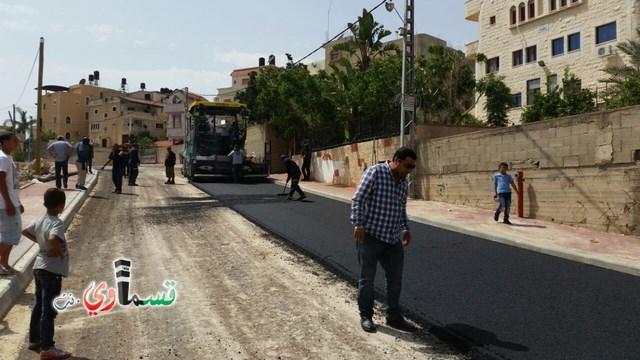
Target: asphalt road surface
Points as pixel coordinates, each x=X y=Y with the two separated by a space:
x=239 y=292
x=513 y=303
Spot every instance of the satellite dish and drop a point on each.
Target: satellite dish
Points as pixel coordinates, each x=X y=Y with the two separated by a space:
x=82 y=81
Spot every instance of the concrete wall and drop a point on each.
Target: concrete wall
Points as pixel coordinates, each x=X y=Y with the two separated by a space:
x=581 y=170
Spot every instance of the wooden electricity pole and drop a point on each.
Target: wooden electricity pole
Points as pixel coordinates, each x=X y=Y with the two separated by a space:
x=38 y=137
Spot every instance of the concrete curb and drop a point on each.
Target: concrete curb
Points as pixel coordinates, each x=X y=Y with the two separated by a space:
x=607 y=262
x=9 y=292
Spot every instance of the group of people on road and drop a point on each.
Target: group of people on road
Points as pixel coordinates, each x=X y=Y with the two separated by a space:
x=61 y=151
x=125 y=161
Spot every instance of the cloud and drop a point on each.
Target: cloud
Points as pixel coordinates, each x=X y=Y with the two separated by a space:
x=16 y=9
x=101 y=33
x=14 y=24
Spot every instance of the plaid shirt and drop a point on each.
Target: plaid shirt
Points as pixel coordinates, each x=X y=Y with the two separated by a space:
x=380 y=204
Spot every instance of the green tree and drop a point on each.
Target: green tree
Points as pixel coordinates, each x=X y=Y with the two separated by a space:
x=444 y=84
x=48 y=135
x=22 y=124
x=624 y=81
x=366 y=44
x=558 y=102
x=498 y=100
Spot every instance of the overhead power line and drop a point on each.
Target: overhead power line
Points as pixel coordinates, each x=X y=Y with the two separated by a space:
x=25 y=84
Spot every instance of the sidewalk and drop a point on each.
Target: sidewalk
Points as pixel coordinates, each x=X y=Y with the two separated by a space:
x=611 y=251
x=23 y=255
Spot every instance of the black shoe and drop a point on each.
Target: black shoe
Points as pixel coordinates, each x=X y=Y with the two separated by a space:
x=302 y=197
x=81 y=187
x=506 y=221
x=495 y=217
x=399 y=323
x=367 y=324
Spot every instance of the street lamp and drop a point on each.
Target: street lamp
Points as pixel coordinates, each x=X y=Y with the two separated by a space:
x=390 y=6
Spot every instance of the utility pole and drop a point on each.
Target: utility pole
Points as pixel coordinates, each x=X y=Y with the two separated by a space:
x=408 y=96
x=38 y=137
x=13 y=120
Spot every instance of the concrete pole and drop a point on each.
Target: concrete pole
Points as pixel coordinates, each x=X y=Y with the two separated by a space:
x=38 y=137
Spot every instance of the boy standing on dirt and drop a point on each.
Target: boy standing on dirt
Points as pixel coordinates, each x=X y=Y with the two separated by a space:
x=10 y=207
x=501 y=182
x=51 y=264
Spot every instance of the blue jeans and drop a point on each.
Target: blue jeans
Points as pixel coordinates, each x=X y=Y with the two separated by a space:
x=41 y=328
x=62 y=173
x=391 y=258
x=504 y=203
x=116 y=176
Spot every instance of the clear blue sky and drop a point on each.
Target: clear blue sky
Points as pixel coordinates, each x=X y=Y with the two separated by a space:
x=178 y=44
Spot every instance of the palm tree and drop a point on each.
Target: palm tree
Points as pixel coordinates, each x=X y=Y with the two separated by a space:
x=22 y=126
x=367 y=41
x=624 y=80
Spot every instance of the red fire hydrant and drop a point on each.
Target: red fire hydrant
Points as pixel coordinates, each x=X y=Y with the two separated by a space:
x=520 y=183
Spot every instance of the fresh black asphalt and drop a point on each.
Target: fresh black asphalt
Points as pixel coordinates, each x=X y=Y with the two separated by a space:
x=513 y=303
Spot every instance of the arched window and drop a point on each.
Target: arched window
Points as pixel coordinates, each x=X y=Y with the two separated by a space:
x=532 y=9
x=67 y=136
x=513 y=16
x=67 y=120
x=522 y=12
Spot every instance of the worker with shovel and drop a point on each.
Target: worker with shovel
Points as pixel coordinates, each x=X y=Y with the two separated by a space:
x=293 y=174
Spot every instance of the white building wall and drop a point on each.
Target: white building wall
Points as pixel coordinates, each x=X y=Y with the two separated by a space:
x=501 y=39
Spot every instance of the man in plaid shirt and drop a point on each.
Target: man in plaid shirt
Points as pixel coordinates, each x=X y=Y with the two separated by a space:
x=379 y=214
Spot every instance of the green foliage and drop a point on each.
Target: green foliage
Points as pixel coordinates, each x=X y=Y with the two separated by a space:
x=143 y=138
x=498 y=101
x=624 y=81
x=367 y=41
x=566 y=101
x=48 y=135
x=444 y=85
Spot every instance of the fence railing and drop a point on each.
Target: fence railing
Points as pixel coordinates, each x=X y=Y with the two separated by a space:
x=352 y=131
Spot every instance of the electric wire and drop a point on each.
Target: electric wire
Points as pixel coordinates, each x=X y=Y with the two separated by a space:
x=27 y=82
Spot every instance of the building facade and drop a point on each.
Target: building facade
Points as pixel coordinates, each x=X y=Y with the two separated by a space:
x=175 y=107
x=528 y=41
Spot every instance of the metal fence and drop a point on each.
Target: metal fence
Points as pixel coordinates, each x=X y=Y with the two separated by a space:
x=352 y=131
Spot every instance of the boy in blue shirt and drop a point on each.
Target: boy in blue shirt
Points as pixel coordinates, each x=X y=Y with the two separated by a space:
x=501 y=182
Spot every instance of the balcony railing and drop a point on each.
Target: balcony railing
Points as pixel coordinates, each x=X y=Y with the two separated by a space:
x=471 y=50
x=472 y=10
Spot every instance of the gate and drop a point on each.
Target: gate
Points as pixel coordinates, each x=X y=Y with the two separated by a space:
x=148 y=154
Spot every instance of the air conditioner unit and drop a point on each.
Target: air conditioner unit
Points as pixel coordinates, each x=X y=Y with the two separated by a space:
x=605 y=50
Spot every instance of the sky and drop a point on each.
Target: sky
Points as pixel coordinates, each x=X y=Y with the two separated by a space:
x=177 y=44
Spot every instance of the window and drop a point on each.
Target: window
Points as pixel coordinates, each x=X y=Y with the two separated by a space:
x=532 y=9
x=552 y=82
x=493 y=65
x=563 y=3
x=159 y=126
x=86 y=100
x=55 y=120
x=532 y=54
x=95 y=127
x=177 y=121
x=492 y=20
x=553 y=5
x=67 y=136
x=606 y=33
x=95 y=111
x=67 y=120
x=517 y=58
x=86 y=116
x=516 y=100
x=533 y=88
x=106 y=115
x=44 y=106
x=521 y=11
x=114 y=109
x=513 y=16
x=335 y=56
x=557 y=46
x=574 y=42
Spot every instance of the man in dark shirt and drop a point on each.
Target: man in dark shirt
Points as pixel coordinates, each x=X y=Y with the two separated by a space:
x=306 y=162
x=134 y=162
x=293 y=174
x=169 y=163
x=120 y=160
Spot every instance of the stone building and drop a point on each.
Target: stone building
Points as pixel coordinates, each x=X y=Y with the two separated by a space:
x=526 y=40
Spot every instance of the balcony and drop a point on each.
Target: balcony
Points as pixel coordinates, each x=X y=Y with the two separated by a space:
x=471 y=50
x=472 y=10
